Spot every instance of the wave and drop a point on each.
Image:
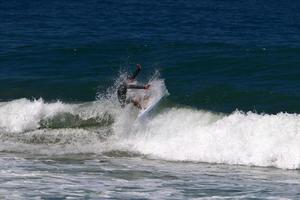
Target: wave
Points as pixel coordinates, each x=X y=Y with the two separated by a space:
x=173 y=133
x=239 y=138
x=24 y=115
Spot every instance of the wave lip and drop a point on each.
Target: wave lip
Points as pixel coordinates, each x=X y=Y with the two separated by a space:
x=24 y=115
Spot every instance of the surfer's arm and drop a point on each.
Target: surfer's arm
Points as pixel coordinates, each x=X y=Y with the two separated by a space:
x=136 y=72
x=138 y=86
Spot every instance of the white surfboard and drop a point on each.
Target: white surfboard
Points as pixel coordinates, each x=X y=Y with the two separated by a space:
x=151 y=104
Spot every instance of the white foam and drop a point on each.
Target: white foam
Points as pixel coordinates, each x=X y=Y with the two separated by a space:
x=177 y=134
x=22 y=114
x=239 y=138
x=54 y=142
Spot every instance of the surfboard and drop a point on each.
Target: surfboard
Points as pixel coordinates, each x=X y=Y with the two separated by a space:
x=151 y=104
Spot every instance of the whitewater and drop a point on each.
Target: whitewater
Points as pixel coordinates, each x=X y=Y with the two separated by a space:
x=175 y=133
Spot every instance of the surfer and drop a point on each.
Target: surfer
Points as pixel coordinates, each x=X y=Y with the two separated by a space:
x=128 y=84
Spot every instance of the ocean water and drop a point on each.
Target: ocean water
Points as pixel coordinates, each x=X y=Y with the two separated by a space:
x=227 y=128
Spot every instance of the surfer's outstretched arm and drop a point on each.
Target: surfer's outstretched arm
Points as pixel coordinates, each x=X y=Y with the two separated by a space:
x=138 y=87
x=136 y=72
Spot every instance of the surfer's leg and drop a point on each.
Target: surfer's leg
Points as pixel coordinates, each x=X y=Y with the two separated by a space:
x=122 y=103
x=136 y=104
x=134 y=101
x=122 y=95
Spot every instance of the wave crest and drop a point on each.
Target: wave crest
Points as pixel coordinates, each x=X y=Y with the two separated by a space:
x=238 y=138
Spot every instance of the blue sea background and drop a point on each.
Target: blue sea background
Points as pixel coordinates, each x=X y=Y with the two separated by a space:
x=229 y=128
x=214 y=55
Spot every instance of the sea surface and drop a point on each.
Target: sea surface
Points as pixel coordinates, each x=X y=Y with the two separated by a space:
x=227 y=128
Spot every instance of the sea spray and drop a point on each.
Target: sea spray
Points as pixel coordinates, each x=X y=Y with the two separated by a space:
x=238 y=138
x=23 y=115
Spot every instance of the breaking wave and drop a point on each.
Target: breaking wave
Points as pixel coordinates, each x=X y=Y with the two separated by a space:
x=239 y=138
x=172 y=133
x=24 y=115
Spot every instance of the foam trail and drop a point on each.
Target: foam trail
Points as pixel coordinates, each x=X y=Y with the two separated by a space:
x=239 y=138
x=54 y=142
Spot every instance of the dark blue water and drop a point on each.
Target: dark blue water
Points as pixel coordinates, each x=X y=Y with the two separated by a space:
x=214 y=55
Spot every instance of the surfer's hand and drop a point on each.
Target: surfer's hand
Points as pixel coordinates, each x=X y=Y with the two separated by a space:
x=138 y=66
x=147 y=87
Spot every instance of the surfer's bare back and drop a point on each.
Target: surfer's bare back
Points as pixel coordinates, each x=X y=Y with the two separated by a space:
x=128 y=84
